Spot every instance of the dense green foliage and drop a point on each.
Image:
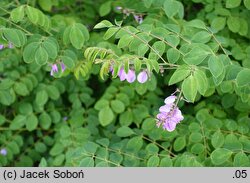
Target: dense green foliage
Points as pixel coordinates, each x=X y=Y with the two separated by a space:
x=86 y=116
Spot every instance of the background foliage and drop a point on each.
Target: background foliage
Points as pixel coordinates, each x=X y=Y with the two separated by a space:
x=83 y=117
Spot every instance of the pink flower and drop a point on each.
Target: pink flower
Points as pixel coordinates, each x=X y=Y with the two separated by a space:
x=138 y=18
x=169 y=115
x=63 y=66
x=122 y=74
x=170 y=99
x=131 y=76
x=142 y=77
x=54 y=69
x=3 y=152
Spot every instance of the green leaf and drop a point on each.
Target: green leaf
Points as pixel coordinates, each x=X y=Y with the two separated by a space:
x=105 y=8
x=173 y=55
x=195 y=137
x=160 y=47
x=2 y=119
x=232 y=142
x=87 y=162
x=232 y=3
x=197 y=148
x=56 y=149
x=7 y=97
x=110 y=32
x=126 y=118
x=233 y=24
x=53 y=92
x=21 y=89
x=51 y=47
x=15 y=36
x=106 y=116
x=242 y=78
x=247 y=4
x=41 y=97
x=220 y=156
x=142 y=49
x=202 y=82
x=180 y=74
x=179 y=143
x=241 y=160
x=217 y=139
x=189 y=88
x=197 y=23
x=201 y=37
x=18 y=122
x=135 y=144
x=45 y=120
x=29 y=52
x=40 y=147
x=124 y=131
x=117 y=106
x=76 y=37
x=152 y=149
x=218 y=23
x=173 y=40
x=103 y=24
x=65 y=131
x=166 y=162
x=17 y=14
x=43 y=163
x=148 y=3
x=215 y=66
x=170 y=11
x=69 y=63
x=33 y=14
x=125 y=41
x=196 y=56
x=58 y=160
x=31 y=122
x=91 y=147
x=41 y=56
x=100 y=104
x=25 y=108
x=243 y=27
x=153 y=161
x=45 y=4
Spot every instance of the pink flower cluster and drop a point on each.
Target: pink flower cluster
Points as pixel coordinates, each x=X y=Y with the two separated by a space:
x=142 y=77
x=169 y=115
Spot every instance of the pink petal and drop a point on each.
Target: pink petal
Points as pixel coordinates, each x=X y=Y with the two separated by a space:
x=161 y=116
x=169 y=126
x=142 y=77
x=165 y=108
x=122 y=74
x=170 y=99
x=131 y=76
x=177 y=116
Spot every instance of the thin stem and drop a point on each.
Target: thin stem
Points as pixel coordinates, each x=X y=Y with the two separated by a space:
x=146 y=43
x=159 y=145
x=166 y=42
x=28 y=33
x=218 y=42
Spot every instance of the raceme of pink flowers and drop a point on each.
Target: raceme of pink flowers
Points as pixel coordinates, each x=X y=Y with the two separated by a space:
x=170 y=115
x=142 y=77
